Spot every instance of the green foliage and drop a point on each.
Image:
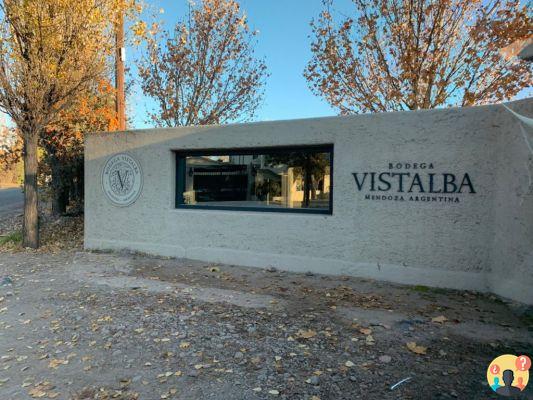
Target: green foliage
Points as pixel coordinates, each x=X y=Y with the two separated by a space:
x=420 y=288
x=13 y=237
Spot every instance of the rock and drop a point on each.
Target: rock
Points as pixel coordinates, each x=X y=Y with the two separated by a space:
x=193 y=373
x=314 y=380
x=6 y=281
x=385 y=359
x=238 y=356
x=271 y=269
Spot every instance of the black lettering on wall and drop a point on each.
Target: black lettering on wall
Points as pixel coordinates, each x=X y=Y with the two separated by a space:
x=419 y=181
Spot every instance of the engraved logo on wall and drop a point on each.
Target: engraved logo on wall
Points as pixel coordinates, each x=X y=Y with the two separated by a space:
x=122 y=179
x=406 y=181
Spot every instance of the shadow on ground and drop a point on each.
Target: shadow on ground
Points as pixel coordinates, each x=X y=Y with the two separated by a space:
x=151 y=328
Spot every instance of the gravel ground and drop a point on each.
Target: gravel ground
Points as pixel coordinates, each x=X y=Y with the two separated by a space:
x=79 y=325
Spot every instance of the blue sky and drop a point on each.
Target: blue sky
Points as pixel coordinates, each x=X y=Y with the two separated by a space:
x=283 y=41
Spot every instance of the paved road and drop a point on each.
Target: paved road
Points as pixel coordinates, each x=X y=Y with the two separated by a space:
x=11 y=200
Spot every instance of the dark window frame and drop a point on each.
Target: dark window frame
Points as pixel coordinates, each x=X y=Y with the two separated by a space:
x=181 y=171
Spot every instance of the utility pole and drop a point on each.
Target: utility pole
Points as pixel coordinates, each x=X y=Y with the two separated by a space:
x=120 y=57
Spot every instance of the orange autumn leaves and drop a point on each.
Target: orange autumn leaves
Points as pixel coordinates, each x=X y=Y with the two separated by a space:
x=394 y=55
x=204 y=71
x=98 y=108
x=94 y=111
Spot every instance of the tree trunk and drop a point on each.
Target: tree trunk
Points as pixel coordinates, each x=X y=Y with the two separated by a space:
x=80 y=182
x=59 y=189
x=60 y=201
x=30 y=236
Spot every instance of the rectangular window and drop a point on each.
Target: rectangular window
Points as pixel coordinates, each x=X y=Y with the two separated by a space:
x=294 y=179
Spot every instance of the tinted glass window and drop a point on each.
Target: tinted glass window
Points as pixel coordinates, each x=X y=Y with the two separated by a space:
x=273 y=179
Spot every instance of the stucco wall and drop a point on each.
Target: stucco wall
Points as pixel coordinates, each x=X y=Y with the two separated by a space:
x=483 y=242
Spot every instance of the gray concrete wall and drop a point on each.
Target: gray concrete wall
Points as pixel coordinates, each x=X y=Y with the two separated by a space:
x=484 y=242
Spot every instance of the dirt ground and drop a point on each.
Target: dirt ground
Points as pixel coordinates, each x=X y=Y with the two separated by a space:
x=80 y=325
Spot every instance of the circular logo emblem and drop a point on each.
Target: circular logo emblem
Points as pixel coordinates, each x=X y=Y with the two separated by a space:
x=122 y=179
x=508 y=374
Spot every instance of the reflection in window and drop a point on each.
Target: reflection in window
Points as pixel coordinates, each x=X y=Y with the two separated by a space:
x=263 y=179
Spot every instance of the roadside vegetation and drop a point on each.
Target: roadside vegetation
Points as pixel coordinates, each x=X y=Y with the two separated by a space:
x=11 y=239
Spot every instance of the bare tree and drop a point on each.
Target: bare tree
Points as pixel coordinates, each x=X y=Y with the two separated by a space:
x=411 y=54
x=205 y=72
x=50 y=51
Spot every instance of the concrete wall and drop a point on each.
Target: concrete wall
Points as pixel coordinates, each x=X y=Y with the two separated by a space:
x=484 y=242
